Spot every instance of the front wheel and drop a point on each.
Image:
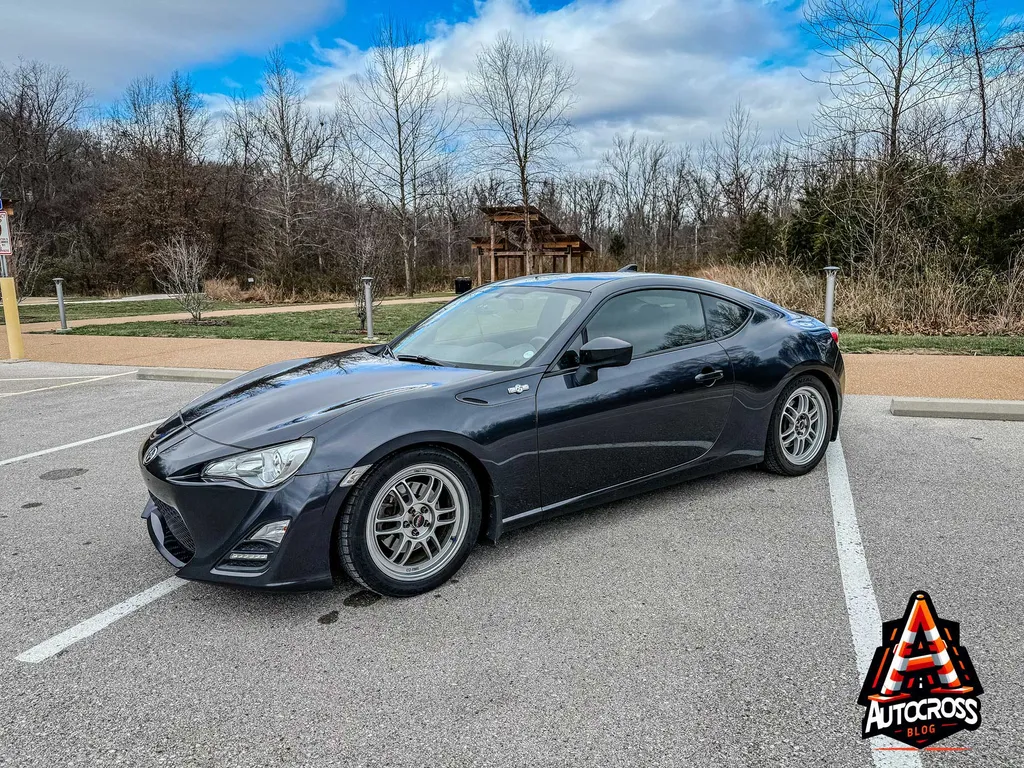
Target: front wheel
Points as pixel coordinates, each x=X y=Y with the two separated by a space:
x=801 y=425
x=409 y=525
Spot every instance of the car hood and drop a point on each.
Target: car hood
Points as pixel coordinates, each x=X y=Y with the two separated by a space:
x=285 y=401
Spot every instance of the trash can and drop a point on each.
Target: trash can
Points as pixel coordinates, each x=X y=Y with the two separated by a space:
x=462 y=284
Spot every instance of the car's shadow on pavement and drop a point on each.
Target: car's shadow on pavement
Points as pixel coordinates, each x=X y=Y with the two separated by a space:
x=589 y=533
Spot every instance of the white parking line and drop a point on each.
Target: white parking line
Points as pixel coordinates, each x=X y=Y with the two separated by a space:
x=69 y=384
x=5 y=462
x=53 y=646
x=861 y=604
x=48 y=378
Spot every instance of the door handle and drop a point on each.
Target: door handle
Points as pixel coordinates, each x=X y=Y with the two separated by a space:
x=709 y=376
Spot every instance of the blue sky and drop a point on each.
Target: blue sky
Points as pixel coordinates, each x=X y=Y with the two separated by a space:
x=353 y=22
x=670 y=69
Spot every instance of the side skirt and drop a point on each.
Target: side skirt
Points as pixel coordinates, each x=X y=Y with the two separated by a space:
x=627 y=489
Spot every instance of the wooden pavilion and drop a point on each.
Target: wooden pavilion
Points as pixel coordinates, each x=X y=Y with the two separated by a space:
x=506 y=244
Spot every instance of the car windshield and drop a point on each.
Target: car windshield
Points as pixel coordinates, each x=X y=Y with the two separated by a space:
x=501 y=326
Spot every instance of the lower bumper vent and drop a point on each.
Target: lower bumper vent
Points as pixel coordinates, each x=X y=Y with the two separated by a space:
x=177 y=537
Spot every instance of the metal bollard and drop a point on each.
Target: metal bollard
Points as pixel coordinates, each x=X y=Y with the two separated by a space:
x=368 y=305
x=830 y=293
x=60 y=303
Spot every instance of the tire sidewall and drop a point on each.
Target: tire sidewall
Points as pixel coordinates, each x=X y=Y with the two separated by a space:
x=775 y=440
x=353 y=548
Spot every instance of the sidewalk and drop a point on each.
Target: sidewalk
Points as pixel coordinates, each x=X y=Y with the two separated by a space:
x=960 y=376
x=986 y=378
x=224 y=354
x=52 y=326
x=30 y=301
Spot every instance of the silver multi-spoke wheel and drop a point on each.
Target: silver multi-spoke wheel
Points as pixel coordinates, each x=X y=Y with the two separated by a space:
x=417 y=522
x=802 y=428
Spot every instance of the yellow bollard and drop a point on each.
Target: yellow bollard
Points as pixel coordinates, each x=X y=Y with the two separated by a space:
x=10 y=296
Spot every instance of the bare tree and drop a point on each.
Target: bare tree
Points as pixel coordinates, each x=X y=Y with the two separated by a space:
x=42 y=148
x=738 y=168
x=989 y=53
x=594 y=191
x=288 y=153
x=677 y=198
x=889 y=59
x=398 y=122
x=636 y=167
x=520 y=95
x=180 y=266
x=157 y=136
x=371 y=240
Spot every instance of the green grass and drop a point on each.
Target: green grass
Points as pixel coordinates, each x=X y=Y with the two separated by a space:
x=339 y=325
x=852 y=343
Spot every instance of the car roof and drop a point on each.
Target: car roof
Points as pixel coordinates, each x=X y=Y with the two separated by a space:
x=613 y=281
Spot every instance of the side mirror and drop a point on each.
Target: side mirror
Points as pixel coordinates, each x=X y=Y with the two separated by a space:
x=603 y=352
x=606 y=352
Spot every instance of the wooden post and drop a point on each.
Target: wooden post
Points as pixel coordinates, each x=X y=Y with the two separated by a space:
x=494 y=259
x=479 y=265
x=568 y=260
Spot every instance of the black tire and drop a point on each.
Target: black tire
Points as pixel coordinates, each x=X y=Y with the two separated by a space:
x=775 y=458
x=352 y=538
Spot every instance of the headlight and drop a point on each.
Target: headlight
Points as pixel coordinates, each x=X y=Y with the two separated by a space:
x=264 y=468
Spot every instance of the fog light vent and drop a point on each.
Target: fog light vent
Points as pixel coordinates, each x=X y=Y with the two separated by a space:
x=249 y=554
x=253 y=556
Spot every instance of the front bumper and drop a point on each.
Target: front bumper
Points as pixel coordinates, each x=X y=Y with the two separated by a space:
x=196 y=525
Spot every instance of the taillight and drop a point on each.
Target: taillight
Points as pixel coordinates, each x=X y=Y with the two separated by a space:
x=835 y=333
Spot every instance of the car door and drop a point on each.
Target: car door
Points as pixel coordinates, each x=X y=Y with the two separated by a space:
x=666 y=408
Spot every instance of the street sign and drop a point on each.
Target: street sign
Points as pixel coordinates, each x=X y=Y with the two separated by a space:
x=5 y=235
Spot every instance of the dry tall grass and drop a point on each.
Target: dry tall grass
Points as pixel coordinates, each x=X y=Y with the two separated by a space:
x=929 y=301
x=218 y=289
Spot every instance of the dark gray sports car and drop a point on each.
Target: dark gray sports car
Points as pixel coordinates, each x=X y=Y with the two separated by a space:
x=517 y=401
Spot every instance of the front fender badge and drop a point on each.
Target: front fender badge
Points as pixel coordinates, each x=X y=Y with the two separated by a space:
x=518 y=389
x=353 y=475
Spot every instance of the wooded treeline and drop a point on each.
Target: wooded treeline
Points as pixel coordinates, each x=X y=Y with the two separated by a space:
x=912 y=173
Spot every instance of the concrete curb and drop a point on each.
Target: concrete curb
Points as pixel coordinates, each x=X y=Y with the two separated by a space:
x=190 y=375
x=941 y=408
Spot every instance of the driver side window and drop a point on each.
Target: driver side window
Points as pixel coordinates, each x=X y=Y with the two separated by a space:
x=651 y=320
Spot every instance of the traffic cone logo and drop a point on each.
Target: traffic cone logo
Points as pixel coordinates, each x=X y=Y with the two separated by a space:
x=921 y=686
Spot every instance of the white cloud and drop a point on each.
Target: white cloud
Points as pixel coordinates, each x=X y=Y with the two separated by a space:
x=670 y=69
x=106 y=43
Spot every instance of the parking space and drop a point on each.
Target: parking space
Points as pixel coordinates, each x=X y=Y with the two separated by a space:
x=705 y=624
x=940 y=503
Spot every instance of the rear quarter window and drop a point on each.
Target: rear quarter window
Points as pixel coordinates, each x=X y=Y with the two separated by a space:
x=722 y=317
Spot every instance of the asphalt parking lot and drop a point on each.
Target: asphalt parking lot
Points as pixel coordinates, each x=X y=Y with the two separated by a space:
x=706 y=624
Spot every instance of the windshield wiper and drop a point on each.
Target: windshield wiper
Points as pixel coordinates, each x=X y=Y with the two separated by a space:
x=419 y=359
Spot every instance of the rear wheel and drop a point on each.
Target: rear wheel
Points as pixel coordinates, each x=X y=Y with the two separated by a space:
x=409 y=525
x=800 y=428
